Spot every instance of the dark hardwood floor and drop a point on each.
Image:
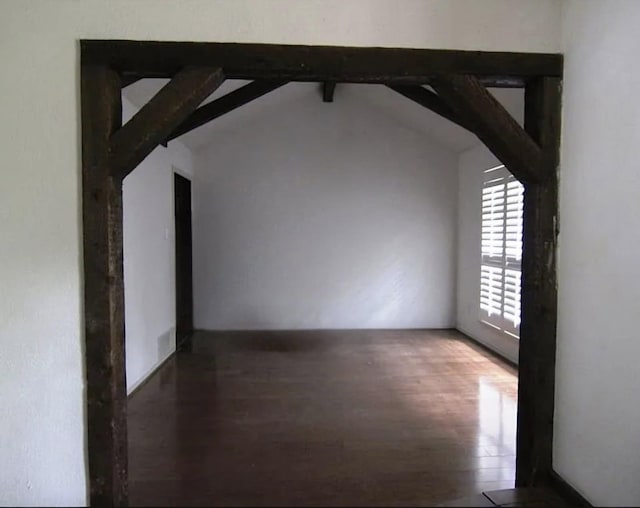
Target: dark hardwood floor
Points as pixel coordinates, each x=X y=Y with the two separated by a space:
x=382 y=418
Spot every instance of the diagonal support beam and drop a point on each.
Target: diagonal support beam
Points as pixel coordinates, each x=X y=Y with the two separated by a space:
x=328 y=91
x=429 y=100
x=161 y=115
x=225 y=104
x=492 y=123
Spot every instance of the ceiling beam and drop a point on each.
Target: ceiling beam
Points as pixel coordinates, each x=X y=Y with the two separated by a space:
x=225 y=104
x=429 y=100
x=492 y=123
x=319 y=63
x=160 y=116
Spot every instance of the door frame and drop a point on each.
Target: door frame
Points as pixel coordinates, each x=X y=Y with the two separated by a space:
x=111 y=150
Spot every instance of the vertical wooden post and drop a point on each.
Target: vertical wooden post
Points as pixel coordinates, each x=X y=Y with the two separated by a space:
x=539 y=289
x=103 y=289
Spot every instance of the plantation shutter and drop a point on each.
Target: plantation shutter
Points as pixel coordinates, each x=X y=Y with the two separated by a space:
x=500 y=276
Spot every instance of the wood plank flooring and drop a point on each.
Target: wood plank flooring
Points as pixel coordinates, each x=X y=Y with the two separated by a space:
x=330 y=418
x=530 y=497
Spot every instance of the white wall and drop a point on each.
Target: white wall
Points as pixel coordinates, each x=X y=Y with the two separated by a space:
x=42 y=423
x=149 y=257
x=471 y=165
x=312 y=215
x=597 y=425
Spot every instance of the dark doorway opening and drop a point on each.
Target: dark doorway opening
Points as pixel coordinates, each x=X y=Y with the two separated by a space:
x=184 y=269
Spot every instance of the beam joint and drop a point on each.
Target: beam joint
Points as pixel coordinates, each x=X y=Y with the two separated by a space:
x=492 y=123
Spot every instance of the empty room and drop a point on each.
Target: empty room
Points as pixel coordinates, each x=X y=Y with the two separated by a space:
x=319 y=253
x=327 y=268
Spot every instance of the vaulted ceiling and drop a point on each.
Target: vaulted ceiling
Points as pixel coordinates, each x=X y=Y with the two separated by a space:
x=381 y=99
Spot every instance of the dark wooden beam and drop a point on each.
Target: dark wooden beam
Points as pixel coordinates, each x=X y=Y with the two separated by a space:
x=225 y=104
x=103 y=289
x=161 y=115
x=102 y=61
x=539 y=289
x=320 y=63
x=496 y=128
x=328 y=90
x=429 y=100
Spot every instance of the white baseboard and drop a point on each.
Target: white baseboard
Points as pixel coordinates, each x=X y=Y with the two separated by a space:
x=508 y=355
x=151 y=371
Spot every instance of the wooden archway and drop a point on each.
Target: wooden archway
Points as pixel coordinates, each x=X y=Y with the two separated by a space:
x=457 y=78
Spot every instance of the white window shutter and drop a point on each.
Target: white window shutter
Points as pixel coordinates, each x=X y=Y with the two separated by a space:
x=500 y=276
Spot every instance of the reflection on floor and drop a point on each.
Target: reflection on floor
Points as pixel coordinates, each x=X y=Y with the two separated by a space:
x=323 y=418
x=514 y=498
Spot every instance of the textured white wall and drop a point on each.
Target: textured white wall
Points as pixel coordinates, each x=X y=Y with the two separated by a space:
x=313 y=215
x=597 y=425
x=149 y=257
x=471 y=165
x=42 y=423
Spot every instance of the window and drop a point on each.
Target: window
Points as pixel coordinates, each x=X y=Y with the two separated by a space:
x=502 y=203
